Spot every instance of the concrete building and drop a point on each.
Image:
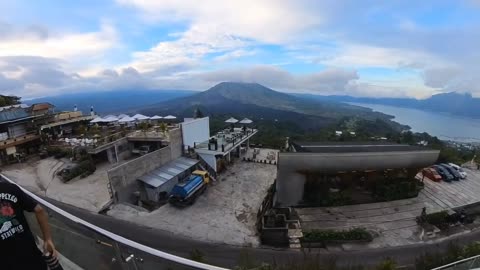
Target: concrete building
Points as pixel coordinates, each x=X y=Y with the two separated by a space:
x=158 y=183
x=123 y=178
x=354 y=161
x=195 y=131
x=224 y=146
x=19 y=134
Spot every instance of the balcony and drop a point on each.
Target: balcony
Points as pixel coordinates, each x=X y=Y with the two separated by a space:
x=226 y=140
x=83 y=245
x=18 y=140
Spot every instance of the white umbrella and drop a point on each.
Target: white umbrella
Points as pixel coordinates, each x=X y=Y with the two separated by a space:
x=231 y=120
x=120 y=116
x=140 y=117
x=110 y=119
x=246 y=121
x=155 y=117
x=170 y=117
x=97 y=120
x=126 y=119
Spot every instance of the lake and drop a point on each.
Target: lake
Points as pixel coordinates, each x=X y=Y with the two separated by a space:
x=444 y=126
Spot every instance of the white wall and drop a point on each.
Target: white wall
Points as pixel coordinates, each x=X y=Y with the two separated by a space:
x=195 y=130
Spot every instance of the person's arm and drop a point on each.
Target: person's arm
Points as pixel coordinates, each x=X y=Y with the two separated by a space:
x=42 y=219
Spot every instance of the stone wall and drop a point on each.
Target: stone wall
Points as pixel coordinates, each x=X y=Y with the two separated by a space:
x=175 y=142
x=123 y=178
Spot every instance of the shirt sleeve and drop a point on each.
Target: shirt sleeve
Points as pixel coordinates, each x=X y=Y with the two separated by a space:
x=25 y=201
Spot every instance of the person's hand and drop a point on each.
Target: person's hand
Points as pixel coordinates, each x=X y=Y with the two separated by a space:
x=49 y=247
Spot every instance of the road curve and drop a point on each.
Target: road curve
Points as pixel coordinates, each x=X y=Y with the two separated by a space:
x=228 y=256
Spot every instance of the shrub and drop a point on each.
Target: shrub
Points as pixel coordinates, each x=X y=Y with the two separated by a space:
x=331 y=235
x=83 y=169
x=439 y=219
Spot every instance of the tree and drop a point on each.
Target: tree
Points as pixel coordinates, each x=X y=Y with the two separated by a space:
x=9 y=100
x=197 y=113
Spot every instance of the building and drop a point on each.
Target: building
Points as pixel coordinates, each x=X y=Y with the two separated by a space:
x=348 y=162
x=19 y=133
x=221 y=148
x=158 y=183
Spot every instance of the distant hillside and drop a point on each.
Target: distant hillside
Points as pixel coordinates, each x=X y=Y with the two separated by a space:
x=110 y=101
x=453 y=103
x=231 y=97
x=261 y=103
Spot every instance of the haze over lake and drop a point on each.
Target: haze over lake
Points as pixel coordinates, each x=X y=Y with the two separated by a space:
x=444 y=126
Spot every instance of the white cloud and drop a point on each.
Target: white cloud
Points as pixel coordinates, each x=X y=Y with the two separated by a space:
x=37 y=41
x=271 y=21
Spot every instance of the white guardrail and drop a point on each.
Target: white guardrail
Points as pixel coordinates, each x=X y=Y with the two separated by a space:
x=453 y=264
x=116 y=237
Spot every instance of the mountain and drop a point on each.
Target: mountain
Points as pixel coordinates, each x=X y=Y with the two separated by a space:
x=110 y=101
x=256 y=101
x=452 y=103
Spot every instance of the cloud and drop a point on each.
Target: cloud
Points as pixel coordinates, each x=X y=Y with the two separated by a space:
x=329 y=81
x=271 y=21
x=38 y=41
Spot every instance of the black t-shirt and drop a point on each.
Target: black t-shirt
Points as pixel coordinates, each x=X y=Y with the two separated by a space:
x=18 y=249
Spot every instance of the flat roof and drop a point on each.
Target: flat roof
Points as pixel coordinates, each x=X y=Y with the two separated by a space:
x=163 y=174
x=353 y=147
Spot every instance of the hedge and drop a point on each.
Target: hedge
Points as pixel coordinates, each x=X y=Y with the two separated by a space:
x=332 y=235
x=83 y=169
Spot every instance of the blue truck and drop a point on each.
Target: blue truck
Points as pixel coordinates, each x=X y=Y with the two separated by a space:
x=186 y=192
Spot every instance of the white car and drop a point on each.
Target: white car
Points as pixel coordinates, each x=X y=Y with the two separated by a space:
x=462 y=173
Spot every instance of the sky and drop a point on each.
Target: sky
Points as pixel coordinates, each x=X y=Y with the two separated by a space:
x=392 y=48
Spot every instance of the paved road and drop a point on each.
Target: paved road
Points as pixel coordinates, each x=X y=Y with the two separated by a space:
x=228 y=256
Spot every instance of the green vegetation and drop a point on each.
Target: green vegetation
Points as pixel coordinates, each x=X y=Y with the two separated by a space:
x=9 y=100
x=197 y=256
x=385 y=190
x=58 y=152
x=425 y=261
x=85 y=167
x=359 y=234
x=438 y=219
x=454 y=253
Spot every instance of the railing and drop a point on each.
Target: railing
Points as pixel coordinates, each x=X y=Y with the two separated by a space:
x=465 y=264
x=19 y=139
x=92 y=247
x=225 y=142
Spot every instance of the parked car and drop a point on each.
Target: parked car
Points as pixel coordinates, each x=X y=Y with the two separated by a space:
x=431 y=174
x=446 y=176
x=459 y=169
x=452 y=171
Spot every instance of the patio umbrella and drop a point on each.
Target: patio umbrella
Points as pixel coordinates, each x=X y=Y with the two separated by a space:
x=246 y=121
x=97 y=120
x=111 y=118
x=170 y=117
x=126 y=119
x=140 y=117
x=156 y=117
x=231 y=120
x=120 y=116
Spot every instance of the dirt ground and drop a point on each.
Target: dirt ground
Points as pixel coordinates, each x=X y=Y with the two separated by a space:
x=225 y=213
x=39 y=176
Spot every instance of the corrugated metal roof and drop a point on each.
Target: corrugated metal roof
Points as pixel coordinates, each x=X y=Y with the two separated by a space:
x=167 y=172
x=13 y=114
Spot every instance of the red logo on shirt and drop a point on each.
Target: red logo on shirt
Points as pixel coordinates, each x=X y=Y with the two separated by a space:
x=7 y=210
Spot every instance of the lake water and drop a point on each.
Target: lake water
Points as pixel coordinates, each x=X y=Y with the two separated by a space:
x=444 y=126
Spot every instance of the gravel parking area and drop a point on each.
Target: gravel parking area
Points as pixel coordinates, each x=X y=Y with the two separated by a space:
x=225 y=213
x=39 y=176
